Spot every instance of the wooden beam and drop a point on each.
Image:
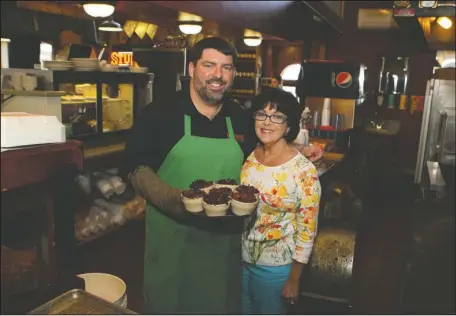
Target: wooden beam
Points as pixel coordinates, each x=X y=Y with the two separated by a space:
x=67 y=8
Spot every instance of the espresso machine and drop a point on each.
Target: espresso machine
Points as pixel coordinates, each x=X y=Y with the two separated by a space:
x=332 y=90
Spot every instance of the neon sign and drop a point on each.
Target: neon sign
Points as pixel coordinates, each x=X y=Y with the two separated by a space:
x=122 y=58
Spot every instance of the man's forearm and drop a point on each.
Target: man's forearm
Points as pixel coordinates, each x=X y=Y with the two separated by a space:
x=155 y=191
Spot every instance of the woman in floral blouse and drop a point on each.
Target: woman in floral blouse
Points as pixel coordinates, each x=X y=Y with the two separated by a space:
x=279 y=242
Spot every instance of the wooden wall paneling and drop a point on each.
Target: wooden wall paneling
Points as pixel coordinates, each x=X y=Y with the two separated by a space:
x=67 y=8
x=268 y=70
x=210 y=28
x=322 y=52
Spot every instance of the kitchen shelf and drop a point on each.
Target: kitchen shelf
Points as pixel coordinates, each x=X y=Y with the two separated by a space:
x=111 y=229
x=34 y=93
x=100 y=151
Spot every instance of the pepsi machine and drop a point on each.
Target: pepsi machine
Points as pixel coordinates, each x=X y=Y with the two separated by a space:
x=340 y=81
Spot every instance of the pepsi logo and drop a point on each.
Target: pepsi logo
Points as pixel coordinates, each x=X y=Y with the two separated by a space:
x=344 y=79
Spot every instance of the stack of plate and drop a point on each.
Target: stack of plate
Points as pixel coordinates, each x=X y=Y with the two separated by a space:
x=139 y=69
x=58 y=65
x=109 y=68
x=86 y=64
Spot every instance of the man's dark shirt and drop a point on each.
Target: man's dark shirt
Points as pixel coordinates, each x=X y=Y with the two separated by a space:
x=160 y=126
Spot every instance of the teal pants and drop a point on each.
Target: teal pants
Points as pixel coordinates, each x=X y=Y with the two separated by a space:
x=262 y=289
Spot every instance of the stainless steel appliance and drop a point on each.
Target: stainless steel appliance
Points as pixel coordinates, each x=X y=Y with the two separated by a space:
x=436 y=153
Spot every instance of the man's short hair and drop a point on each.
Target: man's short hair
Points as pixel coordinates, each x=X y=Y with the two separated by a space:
x=278 y=78
x=216 y=43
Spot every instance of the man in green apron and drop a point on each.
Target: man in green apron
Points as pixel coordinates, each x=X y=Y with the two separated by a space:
x=192 y=265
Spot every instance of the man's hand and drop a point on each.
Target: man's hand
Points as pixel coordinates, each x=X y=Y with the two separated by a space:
x=313 y=153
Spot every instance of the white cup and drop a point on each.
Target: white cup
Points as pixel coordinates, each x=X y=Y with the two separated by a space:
x=29 y=81
x=16 y=80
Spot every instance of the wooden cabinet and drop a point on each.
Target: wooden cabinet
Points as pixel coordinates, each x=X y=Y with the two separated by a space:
x=37 y=212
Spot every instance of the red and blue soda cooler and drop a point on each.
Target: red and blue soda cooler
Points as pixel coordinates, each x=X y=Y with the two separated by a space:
x=331 y=79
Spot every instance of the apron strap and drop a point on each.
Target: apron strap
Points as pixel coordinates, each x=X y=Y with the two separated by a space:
x=230 y=128
x=188 y=125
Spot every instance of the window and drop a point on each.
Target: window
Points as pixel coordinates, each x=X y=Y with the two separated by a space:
x=289 y=76
x=45 y=51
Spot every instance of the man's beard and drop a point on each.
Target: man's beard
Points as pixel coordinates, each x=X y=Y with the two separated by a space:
x=205 y=93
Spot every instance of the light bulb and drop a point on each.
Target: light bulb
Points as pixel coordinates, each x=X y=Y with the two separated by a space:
x=444 y=22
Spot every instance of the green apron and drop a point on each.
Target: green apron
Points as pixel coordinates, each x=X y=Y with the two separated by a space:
x=194 y=267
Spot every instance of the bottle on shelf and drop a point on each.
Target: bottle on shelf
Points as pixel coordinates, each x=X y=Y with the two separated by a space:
x=316 y=121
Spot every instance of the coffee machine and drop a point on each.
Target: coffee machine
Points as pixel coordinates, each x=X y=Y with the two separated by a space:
x=339 y=85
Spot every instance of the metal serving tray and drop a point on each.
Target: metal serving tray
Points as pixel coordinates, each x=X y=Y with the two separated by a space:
x=79 y=302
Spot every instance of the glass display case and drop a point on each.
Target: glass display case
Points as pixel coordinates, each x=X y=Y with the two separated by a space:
x=100 y=102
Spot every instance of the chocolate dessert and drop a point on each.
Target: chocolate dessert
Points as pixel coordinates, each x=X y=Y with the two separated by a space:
x=227 y=181
x=218 y=196
x=200 y=184
x=193 y=194
x=244 y=197
x=247 y=189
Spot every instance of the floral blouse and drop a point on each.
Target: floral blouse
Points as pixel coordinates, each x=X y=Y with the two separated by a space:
x=287 y=213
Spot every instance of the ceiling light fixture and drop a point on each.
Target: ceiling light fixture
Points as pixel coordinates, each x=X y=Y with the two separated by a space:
x=190 y=23
x=252 y=38
x=110 y=26
x=190 y=27
x=98 y=9
x=445 y=22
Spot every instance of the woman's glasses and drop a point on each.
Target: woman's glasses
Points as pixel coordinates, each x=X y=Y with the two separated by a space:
x=274 y=118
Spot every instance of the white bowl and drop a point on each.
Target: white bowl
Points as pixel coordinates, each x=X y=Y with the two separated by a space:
x=257 y=195
x=193 y=205
x=207 y=189
x=215 y=210
x=106 y=286
x=231 y=186
x=241 y=208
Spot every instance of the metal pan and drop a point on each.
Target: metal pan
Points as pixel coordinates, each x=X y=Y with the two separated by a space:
x=79 y=302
